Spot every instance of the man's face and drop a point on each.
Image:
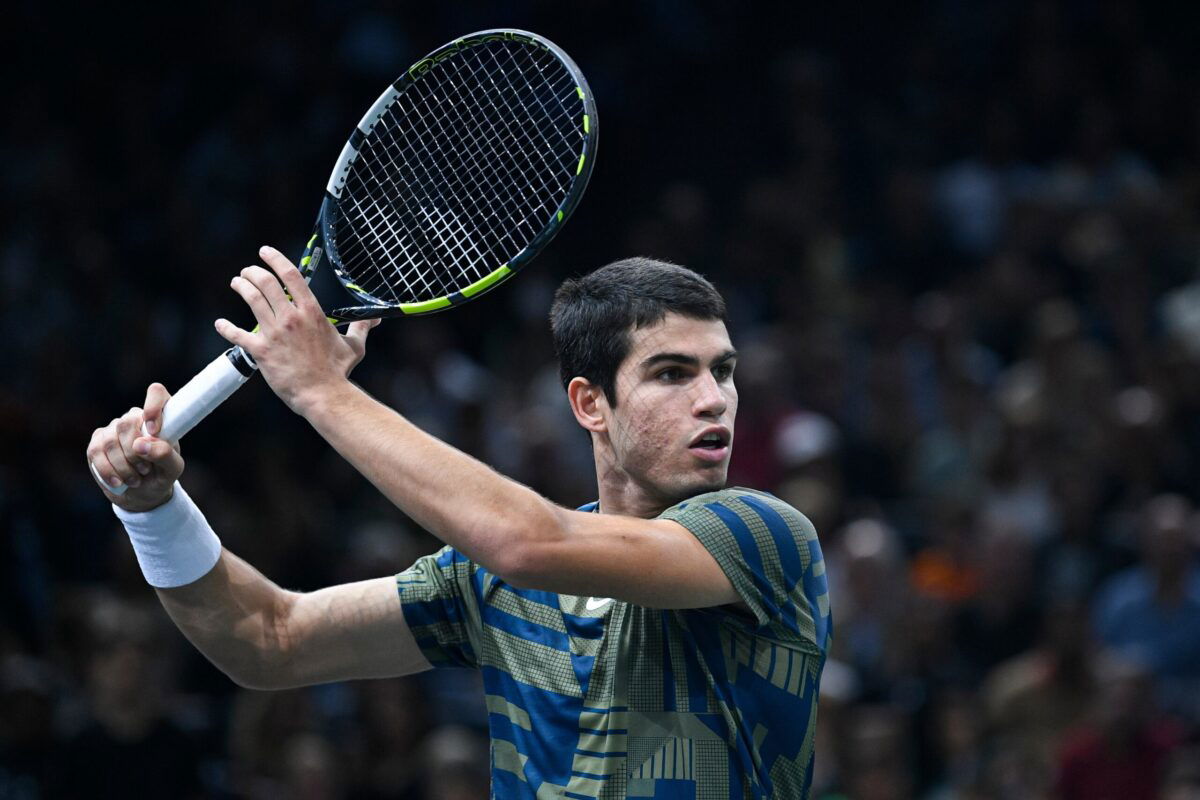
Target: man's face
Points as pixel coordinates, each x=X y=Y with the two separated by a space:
x=671 y=432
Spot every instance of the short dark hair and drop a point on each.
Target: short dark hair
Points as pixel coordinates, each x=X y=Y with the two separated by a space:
x=592 y=316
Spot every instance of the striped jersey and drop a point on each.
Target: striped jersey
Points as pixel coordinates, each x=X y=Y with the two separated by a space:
x=596 y=698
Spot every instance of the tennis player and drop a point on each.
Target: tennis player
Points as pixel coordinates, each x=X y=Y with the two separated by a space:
x=665 y=641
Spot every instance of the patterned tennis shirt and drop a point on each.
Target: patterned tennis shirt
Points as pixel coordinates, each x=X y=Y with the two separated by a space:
x=596 y=698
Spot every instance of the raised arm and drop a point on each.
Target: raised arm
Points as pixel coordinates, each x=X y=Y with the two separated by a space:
x=508 y=528
x=258 y=634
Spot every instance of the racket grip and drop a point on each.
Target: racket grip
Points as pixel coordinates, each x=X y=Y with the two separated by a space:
x=198 y=398
x=202 y=394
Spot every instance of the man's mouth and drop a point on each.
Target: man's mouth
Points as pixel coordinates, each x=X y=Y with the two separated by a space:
x=711 y=445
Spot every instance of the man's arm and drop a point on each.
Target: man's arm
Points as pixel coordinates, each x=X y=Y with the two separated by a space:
x=260 y=635
x=508 y=528
x=264 y=637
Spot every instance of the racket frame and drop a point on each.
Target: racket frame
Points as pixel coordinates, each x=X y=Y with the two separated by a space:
x=226 y=373
x=324 y=242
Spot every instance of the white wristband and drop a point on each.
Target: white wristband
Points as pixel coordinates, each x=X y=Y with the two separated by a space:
x=174 y=543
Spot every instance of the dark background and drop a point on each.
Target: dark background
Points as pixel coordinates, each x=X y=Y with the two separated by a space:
x=960 y=246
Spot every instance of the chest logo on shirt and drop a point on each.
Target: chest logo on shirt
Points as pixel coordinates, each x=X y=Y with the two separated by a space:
x=597 y=602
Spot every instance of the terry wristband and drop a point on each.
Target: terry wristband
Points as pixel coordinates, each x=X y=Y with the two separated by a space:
x=174 y=543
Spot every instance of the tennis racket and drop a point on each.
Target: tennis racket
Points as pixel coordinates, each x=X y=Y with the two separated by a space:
x=458 y=175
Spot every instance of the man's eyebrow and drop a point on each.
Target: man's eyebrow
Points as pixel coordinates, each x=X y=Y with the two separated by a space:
x=681 y=358
x=728 y=355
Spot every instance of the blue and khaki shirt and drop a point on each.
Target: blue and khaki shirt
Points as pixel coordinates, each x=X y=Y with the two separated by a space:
x=595 y=698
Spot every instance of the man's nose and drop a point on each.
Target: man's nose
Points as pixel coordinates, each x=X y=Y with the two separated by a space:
x=709 y=400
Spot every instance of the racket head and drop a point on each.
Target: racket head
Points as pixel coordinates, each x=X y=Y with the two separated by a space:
x=458 y=175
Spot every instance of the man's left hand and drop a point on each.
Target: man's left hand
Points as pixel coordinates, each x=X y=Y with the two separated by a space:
x=300 y=354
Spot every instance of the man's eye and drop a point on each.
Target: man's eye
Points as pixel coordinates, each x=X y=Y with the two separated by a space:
x=670 y=374
x=723 y=372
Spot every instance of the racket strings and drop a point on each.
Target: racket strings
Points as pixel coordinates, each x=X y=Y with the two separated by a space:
x=461 y=173
x=486 y=141
x=560 y=147
x=475 y=145
x=432 y=214
x=532 y=130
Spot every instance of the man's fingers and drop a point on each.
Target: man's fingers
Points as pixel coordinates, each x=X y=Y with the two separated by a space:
x=118 y=447
x=255 y=299
x=128 y=428
x=301 y=294
x=235 y=335
x=156 y=397
x=121 y=457
x=105 y=471
x=98 y=458
x=268 y=284
x=358 y=330
x=121 y=465
x=152 y=449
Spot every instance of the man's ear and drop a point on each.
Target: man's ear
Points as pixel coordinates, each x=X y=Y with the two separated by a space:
x=589 y=404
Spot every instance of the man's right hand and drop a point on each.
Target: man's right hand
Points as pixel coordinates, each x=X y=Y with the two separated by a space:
x=123 y=454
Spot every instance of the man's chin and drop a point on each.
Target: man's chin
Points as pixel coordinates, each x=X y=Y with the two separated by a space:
x=702 y=485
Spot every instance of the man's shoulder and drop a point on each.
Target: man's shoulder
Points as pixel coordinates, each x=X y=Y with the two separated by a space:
x=720 y=496
x=740 y=501
x=771 y=555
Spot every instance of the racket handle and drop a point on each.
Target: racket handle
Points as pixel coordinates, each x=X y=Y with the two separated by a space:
x=202 y=394
x=198 y=398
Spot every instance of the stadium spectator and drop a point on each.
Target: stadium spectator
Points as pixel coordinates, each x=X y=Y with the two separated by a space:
x=1151 y=612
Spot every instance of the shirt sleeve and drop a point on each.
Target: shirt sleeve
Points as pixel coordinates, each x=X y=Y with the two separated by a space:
x=771 y=555
x=440 y=603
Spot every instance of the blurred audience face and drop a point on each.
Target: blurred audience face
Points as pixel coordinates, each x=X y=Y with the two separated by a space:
x=872 y=563
x=1182 y=776
x=311 y=769
x=878 y=758
x=26 y=703
x=1170 y=532
x=1124 y=697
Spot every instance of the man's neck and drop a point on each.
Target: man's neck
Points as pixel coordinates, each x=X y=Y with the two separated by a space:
x=629 y=506
x=620 y=494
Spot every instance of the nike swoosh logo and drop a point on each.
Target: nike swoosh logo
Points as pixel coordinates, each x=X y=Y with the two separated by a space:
x=597 y=602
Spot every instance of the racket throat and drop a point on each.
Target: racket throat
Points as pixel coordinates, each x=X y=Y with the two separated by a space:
x=241 y=361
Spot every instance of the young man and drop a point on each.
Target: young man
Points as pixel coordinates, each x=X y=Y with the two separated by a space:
x=670 y=645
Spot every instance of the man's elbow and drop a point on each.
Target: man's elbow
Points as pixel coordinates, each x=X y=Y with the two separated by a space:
x=521 y=566
x=255 y=670
x=527 y=561
x=520 y=569
x=263 y=659
x=259 y=681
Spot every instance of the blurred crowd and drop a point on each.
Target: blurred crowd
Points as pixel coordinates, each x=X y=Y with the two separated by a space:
x=960 y=247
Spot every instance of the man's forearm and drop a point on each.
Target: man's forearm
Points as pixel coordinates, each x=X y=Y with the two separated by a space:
x=233 y=615
x=465 y=503
x=265 y=637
